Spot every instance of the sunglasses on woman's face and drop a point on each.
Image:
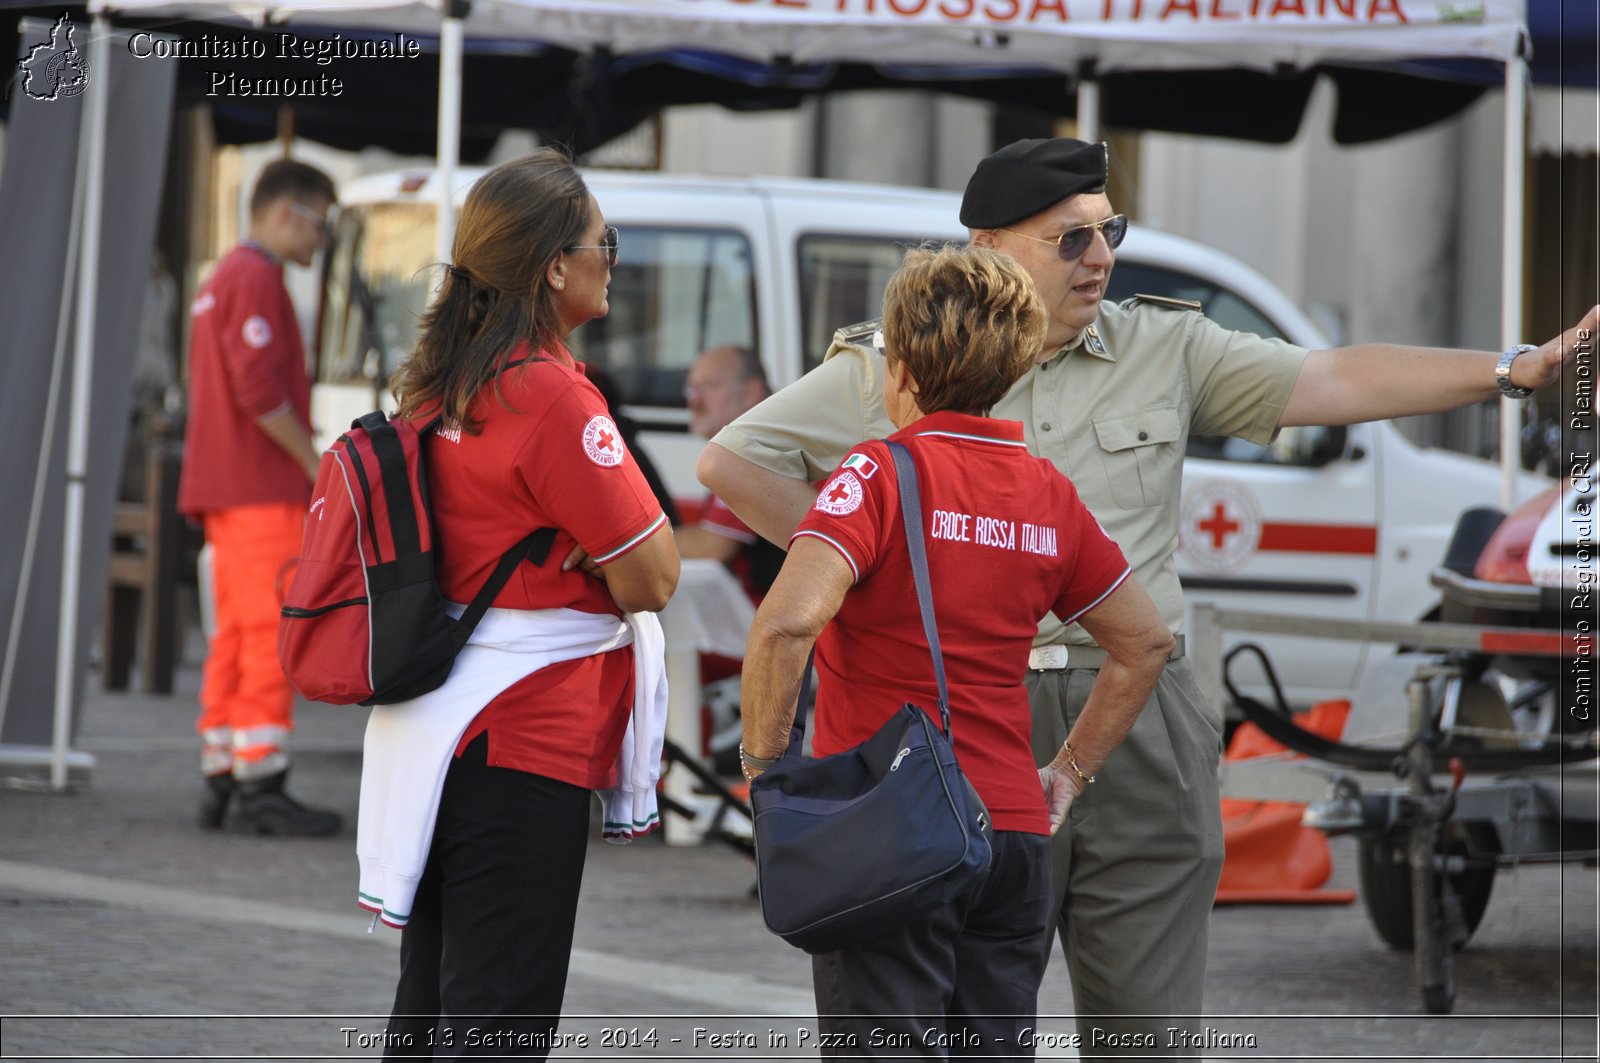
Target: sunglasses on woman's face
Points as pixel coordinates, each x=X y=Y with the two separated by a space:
x=1071 y=244
x=609 y=243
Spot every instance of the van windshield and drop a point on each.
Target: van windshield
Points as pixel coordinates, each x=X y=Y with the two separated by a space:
x=674 y=292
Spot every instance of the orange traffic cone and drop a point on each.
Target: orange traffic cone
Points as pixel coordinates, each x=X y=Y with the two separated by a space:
x=1271 y=858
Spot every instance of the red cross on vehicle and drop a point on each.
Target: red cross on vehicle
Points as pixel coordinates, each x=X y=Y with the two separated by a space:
x=1219 y=526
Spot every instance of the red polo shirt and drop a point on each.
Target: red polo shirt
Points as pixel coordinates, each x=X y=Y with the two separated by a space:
x=715 y=516
x=1007 y=540
x=549 y=455
x=245 y=362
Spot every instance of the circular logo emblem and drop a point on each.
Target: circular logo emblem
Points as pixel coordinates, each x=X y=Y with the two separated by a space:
x=1219 y=526
x=841 y=496
x=602 y=442
x=67 y=73
x=257 y=333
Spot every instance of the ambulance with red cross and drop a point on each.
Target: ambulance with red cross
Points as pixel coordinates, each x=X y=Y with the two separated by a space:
x=1333 y=522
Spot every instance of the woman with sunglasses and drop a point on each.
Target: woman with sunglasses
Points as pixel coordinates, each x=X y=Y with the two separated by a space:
x=533 y=716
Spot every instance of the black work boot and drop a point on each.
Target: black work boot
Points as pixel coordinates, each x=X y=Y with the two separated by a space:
x=214 y=802
x=265 y=808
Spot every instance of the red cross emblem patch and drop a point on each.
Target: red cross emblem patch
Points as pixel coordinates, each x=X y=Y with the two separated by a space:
x=842 y=495
x=602 y=442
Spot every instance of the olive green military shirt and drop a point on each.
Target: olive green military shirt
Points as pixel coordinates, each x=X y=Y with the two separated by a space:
x=1113 y=410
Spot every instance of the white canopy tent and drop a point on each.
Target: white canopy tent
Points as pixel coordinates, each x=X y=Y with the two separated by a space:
x=1079 y=38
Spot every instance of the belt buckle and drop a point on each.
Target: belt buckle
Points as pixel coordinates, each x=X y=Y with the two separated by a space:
x=1047 y=658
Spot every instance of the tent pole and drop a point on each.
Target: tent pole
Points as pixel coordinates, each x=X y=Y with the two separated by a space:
x=91 y=173
x=1088 y=109
x=449 y=150
x=1511 y=224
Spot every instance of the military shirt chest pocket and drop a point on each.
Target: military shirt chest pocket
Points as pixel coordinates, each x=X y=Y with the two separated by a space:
x=1143 y=455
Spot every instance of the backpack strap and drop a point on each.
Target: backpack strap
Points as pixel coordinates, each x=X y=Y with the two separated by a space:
x=535 y=547
x=391 y=457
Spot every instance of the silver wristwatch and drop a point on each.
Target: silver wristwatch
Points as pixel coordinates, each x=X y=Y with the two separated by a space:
x=1502 y=372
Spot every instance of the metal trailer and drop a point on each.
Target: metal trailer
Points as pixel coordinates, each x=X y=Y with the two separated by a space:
x=1441 y=802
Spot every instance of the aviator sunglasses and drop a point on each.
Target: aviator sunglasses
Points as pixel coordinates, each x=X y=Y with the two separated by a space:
x=609 y=243
x=1073 y=243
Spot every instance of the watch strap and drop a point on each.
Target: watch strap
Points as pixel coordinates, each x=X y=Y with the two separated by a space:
x=1502 y=372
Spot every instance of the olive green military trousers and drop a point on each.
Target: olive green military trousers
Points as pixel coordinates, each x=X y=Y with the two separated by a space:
x=1134 y=869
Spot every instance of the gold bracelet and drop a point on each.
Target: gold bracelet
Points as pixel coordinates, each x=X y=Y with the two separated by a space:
x=1072 y=762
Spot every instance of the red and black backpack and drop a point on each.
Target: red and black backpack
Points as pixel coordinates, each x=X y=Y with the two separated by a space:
x=363 y=621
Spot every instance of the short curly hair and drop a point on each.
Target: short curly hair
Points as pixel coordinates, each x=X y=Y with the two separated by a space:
x=967 y=323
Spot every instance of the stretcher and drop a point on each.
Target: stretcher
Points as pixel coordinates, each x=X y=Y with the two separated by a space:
x=1438 y=775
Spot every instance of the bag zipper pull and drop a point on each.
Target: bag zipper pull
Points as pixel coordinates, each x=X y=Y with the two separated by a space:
x=898 y=757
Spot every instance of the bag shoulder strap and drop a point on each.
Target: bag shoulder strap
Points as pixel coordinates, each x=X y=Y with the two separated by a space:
x=911 y=513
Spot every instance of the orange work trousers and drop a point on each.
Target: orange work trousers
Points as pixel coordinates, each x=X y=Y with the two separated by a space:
x=246 y=704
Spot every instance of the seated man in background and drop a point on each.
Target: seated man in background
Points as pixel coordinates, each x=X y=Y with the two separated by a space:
x=722 y=384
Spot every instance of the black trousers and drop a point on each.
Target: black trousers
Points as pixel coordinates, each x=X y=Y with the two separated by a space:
x=962 y=981
x=483 y=960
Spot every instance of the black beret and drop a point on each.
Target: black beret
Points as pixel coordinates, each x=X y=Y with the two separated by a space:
x=1025 y=177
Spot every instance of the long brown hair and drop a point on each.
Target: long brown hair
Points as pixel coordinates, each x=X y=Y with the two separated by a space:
x=516 y=221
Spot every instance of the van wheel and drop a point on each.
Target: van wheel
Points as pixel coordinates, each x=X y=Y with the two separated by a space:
x=1386 y=880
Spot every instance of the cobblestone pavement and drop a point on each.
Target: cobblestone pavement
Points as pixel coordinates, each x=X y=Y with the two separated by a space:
x=127 y=932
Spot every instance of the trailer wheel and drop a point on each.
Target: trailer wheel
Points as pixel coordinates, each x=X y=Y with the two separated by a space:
x=1386 y=882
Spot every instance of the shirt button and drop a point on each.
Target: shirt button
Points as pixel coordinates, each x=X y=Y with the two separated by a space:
x=1045 y=426
x=1143 y=436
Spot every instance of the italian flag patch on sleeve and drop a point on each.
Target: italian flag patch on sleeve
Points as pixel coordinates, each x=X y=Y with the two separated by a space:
x=863 y=466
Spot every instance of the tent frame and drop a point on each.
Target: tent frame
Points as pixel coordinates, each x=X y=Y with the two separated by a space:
x=452 y=17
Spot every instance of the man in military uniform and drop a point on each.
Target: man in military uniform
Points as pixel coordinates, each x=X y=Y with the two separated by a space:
x=1112 y=401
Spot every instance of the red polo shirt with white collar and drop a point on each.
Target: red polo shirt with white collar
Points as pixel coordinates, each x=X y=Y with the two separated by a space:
x=548 y=455
x=1007 y=541
x=245 y=363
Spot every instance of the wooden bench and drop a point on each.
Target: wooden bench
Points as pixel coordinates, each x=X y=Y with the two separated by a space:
x=149 y=544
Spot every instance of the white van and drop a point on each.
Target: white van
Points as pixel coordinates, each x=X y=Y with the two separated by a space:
x=1333 y=522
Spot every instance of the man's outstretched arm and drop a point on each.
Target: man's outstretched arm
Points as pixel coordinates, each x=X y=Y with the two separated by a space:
x=1376 y=381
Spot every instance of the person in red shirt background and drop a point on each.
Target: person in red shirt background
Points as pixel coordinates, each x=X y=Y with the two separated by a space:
x=1007 y=541
x=526 y=442
x=248 y=466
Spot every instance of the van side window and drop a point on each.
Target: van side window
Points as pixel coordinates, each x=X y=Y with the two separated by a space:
x=674 y=293
x=1293 y=446
x=841 y=282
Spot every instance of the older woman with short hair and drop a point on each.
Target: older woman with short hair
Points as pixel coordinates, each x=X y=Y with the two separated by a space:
x=1007 y=541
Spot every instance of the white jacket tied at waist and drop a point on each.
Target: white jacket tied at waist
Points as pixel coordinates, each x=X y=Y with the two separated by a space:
x=409 y=745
